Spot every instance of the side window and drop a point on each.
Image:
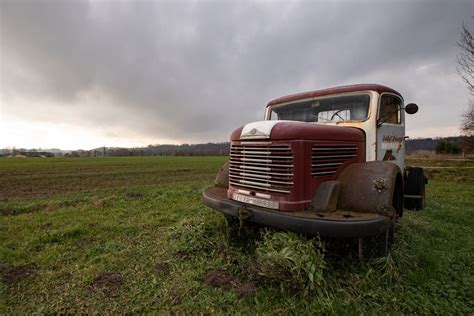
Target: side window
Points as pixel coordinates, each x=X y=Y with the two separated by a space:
x=390 y=109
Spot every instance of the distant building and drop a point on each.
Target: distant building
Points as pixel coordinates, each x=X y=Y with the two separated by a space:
x=37 y=154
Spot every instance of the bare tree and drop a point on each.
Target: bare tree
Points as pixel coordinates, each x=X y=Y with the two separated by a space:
x=466 y=57
x=466 y=71
x=467 y=126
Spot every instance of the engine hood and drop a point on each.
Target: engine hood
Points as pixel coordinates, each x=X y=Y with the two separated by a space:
x=282 y=130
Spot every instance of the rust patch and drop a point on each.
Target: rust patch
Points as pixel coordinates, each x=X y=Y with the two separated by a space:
x=109 y=282
x=12 y=275
x=384 y=210
x=379 y=184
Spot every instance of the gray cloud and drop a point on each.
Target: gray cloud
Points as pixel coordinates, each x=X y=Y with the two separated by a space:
x=194 y=70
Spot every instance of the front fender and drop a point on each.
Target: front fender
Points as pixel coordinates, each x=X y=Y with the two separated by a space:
x=369 y=187
x=222 y=178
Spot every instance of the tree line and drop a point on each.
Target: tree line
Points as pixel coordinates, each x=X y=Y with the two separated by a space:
x=208 y=149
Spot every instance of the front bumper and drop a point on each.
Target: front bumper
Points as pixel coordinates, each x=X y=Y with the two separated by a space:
x=338 y=224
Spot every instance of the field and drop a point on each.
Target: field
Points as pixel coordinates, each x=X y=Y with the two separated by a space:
x=131 y=235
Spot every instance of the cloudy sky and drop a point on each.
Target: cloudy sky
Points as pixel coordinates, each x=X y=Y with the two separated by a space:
x=82 y=74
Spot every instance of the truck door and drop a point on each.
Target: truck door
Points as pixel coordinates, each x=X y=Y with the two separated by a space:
x=391 y=129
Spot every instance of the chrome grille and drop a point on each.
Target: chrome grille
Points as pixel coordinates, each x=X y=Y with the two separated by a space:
x=326 y=159
x=262 y=167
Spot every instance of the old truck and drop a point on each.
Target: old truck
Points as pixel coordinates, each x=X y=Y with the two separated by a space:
x=328 y=162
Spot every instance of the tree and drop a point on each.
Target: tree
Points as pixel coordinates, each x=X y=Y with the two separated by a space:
x=467 y=126
x=446 y=147
x=466 y=58
x=466 y=71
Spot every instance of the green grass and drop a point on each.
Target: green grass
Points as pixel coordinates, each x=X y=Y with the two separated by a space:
x=131 y=235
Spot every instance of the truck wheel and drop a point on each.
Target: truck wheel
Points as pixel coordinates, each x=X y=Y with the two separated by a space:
x=379 y=245
x=415 y=189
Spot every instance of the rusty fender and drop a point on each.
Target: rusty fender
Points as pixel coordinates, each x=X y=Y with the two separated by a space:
x=369 y=187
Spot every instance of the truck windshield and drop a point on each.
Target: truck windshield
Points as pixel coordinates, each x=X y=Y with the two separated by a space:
x=332 y=109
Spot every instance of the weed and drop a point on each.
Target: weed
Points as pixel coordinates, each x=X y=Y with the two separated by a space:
x=291 y=260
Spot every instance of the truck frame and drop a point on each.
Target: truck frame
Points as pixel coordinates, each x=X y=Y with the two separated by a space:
x=329 y=162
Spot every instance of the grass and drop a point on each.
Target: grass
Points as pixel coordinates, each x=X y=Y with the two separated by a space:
x=131 y=235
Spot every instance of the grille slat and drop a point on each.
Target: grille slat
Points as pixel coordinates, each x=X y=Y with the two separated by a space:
x=257 y=148
x=264 y=182
x=264 y=164
x=327 y=159
x=266 y=171
x=267 y=168
x=331 y=148
x=267 y=156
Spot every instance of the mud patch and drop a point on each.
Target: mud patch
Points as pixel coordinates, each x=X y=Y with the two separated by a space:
x=12 y=275
x=109 y=282
x=246 y=289
x=218 y=278
x=162 y=268
x=223 y=280
x=135 y=195
x=83 y=241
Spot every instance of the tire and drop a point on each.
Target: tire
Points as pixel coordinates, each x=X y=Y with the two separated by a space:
x=415 y=185
x=398 y=199
x=377 y=246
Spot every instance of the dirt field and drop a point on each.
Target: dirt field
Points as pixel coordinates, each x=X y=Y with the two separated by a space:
x=131 y=235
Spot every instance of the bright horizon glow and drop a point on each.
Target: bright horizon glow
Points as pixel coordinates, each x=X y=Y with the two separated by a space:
x=30 y=134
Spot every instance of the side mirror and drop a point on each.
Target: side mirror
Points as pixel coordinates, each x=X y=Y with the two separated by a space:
x=411 y=108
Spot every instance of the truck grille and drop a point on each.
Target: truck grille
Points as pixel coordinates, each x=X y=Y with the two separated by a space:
x=267 y=168
x=326 y=159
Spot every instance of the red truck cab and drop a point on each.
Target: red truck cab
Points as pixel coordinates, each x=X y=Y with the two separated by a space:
x=328 y=162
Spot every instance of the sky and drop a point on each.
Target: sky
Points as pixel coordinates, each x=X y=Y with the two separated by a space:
x=84 y=74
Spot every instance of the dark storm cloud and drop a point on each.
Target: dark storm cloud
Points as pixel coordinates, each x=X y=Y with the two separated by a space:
x=194 y=70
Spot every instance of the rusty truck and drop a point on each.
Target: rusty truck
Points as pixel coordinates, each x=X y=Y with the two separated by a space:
x=329 y=162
